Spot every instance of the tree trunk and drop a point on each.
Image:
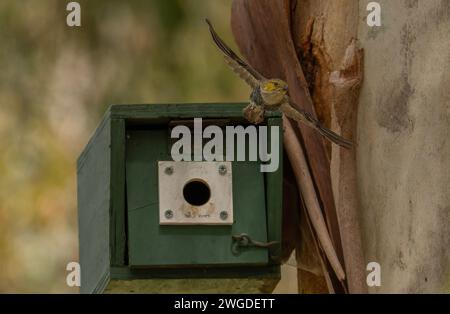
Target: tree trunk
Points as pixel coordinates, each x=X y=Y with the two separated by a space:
x=310 y=45
x=324 y=33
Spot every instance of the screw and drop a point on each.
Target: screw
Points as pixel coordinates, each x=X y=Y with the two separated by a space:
x=168 y=214
x=223 y=215
x=168 y=170
x=222 y=169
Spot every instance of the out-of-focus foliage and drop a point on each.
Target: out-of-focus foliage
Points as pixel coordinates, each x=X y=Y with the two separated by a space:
x=56 y=82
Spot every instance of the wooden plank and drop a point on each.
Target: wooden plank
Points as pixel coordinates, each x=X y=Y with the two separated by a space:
x=103 y=122
x=241 y=271
x=241 y=279
x=274 y=195
x=210 y=110
x=117 y=223
x=194 y=285
x=93 y=210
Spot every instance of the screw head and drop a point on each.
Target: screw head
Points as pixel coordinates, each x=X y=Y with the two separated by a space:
x=168 y=214
x=223 y=215
x=222 y=169
x=168 y=170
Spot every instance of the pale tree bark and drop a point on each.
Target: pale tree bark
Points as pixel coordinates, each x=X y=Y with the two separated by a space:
x=325 y=33
x=311 y=45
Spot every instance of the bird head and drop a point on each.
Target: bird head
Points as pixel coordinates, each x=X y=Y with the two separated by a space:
x=273 y=91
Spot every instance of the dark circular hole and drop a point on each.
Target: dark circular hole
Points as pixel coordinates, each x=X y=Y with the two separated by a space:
x=196 y=192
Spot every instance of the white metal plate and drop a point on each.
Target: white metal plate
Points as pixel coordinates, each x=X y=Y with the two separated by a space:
x=174 y=209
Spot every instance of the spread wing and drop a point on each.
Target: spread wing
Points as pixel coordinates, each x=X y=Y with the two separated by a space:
x=304 y=117
x=239 y=66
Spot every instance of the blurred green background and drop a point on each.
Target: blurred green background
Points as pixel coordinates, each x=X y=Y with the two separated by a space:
x=55 y=84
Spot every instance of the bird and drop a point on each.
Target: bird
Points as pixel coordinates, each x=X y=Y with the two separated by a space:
x=270 y=94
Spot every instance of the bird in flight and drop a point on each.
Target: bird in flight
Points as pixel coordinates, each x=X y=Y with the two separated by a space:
x=270 y=94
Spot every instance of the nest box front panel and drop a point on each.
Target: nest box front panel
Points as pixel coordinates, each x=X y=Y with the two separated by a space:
x=208 y=206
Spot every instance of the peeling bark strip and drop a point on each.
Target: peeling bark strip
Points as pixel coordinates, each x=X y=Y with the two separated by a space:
x=324 y=34
x=262 y=32
x=278 y=38
x=306 y=188
x=345 y=91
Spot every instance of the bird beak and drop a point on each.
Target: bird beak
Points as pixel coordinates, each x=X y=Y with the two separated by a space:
x=286 y=88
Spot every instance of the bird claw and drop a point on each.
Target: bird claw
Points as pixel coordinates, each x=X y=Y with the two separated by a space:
x=254 y=113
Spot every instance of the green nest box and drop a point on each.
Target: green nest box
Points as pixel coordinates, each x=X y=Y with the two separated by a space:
x=149 y=222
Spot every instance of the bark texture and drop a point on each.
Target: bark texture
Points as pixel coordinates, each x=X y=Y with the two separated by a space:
x=403 y=155
x=311 y=45
x=325 y=32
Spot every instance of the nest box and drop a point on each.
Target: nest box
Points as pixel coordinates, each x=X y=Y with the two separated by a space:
x=149 y=222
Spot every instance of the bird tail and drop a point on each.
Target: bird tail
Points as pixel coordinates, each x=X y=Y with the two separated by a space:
x=335 y=138
x=303 y=116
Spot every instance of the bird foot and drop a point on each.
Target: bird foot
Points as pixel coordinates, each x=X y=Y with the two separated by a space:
x=254 y=113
